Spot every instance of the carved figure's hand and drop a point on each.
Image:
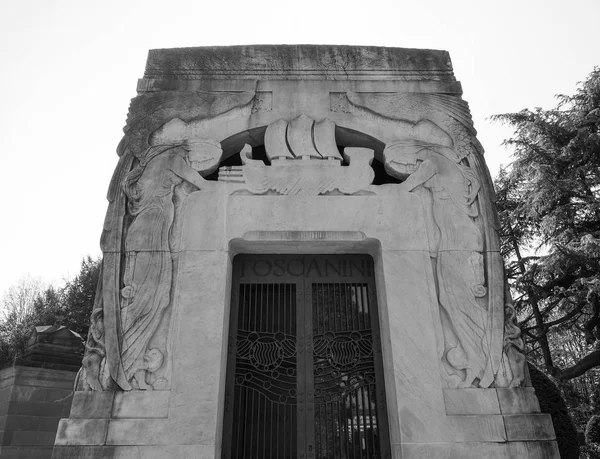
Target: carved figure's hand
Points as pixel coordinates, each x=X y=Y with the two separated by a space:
x=210 y=185
x=404 y=187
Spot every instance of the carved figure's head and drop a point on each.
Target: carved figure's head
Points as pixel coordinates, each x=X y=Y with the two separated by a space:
x=404 y=157
x=425 y=138
x=203 y=154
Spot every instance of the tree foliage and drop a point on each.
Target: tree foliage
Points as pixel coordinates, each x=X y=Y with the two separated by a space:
x=549 y=198
x=18 y=300
x=78 y=296
x=16 y=309
x=28 y=304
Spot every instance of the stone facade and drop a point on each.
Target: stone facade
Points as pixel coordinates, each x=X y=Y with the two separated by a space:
x=290 y=151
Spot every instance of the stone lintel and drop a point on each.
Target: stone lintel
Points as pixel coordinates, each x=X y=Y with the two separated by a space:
x=304 y=236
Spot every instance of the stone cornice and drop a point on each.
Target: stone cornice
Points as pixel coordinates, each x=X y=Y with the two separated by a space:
x=320 y=62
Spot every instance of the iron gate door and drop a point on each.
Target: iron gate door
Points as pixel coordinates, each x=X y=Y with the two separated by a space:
x=304 y=368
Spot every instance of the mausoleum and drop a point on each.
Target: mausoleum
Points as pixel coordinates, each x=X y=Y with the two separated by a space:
x=301 y=260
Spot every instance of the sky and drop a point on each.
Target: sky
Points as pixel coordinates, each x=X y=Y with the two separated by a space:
x=70 y=67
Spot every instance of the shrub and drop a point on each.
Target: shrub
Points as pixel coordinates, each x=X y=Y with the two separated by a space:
x=592 y=430
x=552 y=403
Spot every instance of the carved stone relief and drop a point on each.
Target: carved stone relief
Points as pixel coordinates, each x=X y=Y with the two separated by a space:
x=338 y=102
x=263 y=102
x=304 y=161
x=163 y=159
x=431 y=145
x=456 y=250
x=440 y=159
x=451 y=192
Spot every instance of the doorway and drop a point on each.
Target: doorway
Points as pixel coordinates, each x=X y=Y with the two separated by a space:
x=304 y=370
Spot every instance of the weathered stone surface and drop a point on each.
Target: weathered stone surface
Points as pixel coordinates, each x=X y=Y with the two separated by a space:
x=143 y=404
x=518 y=400
x=32 y=438
x=20 y=452
x=129 y=452
x=27 y=379
x=299 y=62
x=523 y=427
x=29 y=423
x=471 y=401
x=32 y=401
x=529 y=450
x=319 y=150
x=91 y=405
x=82 y=432
x=138 y=431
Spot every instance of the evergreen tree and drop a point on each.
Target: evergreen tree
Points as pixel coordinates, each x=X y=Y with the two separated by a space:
x=78 y=296
x=549 y=197
x=27 y=305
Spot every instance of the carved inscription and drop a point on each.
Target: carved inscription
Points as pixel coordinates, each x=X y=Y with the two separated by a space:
x=310 y=267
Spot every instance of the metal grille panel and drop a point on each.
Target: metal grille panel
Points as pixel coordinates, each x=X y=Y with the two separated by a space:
x=305 y=374
x=265 y=405
x=344 y=372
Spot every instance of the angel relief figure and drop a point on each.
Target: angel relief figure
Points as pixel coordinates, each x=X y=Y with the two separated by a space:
x=170 y=168
x=449 y=189
x=147 y=277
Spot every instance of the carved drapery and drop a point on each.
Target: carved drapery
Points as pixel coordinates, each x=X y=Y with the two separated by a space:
x=171 y=141
x=482 y=345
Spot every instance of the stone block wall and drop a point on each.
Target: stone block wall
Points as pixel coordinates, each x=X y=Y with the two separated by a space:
x=32 y=401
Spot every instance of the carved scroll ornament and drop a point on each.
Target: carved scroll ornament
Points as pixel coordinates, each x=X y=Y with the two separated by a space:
x=163 y=158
